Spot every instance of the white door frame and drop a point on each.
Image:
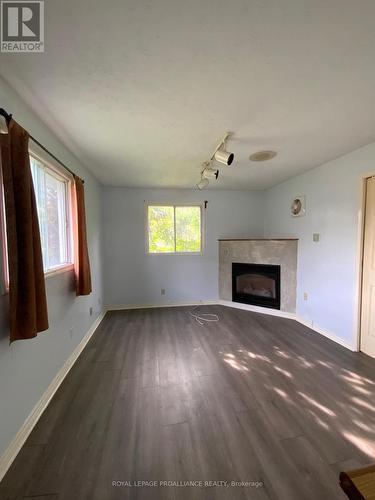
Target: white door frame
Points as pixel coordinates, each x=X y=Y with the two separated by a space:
x=359 y=258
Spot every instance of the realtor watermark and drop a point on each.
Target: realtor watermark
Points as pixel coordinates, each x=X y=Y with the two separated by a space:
x=22 y=26
x=187 y=484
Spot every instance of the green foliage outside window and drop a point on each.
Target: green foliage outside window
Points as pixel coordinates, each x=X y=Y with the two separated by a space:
x=161 y=229
x=174 y=229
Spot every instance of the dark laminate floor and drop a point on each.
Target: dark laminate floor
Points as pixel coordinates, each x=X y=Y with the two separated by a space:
x=155 y=396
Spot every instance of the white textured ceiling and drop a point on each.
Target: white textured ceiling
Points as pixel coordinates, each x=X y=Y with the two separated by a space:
x=141 y=91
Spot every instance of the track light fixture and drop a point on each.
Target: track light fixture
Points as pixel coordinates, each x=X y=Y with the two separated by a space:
x=203 y=183
x=207 y=173
x=221 y=154
x=210 y=173
x=224 y=157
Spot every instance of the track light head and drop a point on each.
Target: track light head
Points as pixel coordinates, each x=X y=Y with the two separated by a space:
x=221 y=154
x=203 y=183
x=210 y=173
x=224 y=157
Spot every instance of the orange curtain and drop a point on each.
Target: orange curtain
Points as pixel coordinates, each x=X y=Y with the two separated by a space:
x=27 y=295
x=82 y=261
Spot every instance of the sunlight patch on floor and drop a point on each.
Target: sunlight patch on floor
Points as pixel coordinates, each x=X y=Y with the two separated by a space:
x=252 y=355
x=367 y=446
x=315 y=403
x=363 y=426
x=318 y=420
x=366 y=405
x=284 y=372
x=234 y=364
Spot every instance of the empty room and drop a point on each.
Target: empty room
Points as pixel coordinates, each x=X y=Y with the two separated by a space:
x=187 y=241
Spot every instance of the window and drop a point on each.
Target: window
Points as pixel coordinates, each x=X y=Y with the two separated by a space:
x=52 y=192
x=174 y=229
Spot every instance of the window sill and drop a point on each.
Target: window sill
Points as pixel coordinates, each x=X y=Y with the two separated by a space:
x=58 y=270
x=184 y=254
x=48 y=274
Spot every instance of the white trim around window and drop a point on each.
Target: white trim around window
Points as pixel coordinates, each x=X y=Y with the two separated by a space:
x=61 y=175
x=148 y=204
x=65 y=210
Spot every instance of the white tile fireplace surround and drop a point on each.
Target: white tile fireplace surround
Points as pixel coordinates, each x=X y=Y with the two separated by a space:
x=281 y=252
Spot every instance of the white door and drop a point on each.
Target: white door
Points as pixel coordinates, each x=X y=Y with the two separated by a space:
x=368 y=277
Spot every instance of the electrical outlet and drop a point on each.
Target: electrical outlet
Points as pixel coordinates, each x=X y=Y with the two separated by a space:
x=162 y=291
x=90 y=311
x=316 y=237
x=305 y=296
x=71 y=332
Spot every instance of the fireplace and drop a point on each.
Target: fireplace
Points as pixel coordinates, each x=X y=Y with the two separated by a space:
x=256 y=284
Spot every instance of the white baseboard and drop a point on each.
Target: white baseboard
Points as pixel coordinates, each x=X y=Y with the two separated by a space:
x=16 y=444
x=246 y=307
x=257 y=309
x=293 y=316
x=326 y=333
x=123 y=307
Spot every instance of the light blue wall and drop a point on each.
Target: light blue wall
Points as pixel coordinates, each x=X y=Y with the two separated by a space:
x=328 y=270
x=28 y=367
x=132 y=277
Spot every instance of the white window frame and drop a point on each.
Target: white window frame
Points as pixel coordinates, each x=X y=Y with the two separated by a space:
x=62 y=175
x=174 y=205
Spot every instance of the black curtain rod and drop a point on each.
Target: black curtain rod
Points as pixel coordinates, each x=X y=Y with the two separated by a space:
x=8 y=117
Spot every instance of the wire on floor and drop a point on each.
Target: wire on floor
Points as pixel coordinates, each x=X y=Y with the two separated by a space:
x=203 y=318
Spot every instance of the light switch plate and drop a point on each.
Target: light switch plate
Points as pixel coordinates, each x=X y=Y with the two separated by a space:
x=316 y=237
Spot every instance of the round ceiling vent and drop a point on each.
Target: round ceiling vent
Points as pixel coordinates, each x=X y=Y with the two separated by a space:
x=263 y=156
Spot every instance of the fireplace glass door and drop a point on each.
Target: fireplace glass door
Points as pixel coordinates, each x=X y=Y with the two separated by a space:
x=256 y=284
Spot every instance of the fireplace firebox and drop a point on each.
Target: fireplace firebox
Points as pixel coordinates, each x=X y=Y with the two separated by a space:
x=256 y=284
